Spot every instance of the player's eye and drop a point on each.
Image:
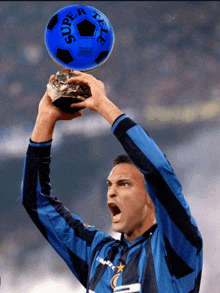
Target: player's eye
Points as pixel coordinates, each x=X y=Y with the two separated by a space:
x=109 y=184
x=124 y=183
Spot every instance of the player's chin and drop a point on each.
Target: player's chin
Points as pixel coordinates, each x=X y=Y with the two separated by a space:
x=118 y=227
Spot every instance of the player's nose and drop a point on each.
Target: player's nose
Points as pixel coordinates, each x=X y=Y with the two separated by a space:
x=111 y=191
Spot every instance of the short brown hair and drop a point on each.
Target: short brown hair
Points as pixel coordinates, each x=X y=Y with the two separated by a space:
x=122 y=159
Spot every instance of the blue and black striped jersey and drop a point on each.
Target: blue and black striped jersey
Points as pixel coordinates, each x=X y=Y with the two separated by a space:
x=165 y=259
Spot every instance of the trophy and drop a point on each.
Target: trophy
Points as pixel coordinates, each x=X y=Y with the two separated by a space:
x=63 y=94
x=77 y=37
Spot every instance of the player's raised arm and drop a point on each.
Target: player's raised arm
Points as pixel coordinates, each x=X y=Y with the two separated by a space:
x=57 y=224
x=172 y=211
x=47 y=117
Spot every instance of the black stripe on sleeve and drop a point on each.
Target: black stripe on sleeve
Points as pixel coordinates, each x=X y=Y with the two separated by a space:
x=176 y=265
x=79 y=229
x=117 y=119
x=125 y=124
x=80 y=267
x=30 y=190
x=39 y=152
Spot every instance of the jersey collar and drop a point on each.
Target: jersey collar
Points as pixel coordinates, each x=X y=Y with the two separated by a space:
x=141 y=238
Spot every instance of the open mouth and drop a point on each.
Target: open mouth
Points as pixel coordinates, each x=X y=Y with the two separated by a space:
x=115 y=211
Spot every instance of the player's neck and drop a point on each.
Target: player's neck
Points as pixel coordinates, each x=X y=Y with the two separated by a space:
x=140 y=231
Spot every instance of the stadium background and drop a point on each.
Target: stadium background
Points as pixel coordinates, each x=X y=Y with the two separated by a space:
x=164 y=72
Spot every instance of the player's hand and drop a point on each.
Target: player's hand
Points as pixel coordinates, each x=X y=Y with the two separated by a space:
x=97 y=88
x=47 y=108
x=98 y=101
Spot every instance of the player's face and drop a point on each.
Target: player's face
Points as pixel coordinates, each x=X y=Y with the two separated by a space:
x=131 y=207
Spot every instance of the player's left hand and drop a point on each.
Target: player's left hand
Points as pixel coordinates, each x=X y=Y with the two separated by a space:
x=97 y=88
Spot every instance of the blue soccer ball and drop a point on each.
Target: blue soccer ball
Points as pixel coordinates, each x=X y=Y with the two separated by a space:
x=79 y=37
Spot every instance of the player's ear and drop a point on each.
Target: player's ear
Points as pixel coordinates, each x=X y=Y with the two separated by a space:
x=150 y=202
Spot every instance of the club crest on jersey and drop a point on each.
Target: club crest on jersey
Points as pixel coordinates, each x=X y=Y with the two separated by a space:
x=116 y=276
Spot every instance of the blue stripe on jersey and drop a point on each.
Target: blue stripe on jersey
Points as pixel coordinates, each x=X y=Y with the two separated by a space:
x=175 y=236
x=79 y=267
x=73 y=223
x=43 y=211
x=23 y=176
x=177 y=266
x=75 y=251
x=90 y=235
x=68 y=228
x=197 y=283
x=163 y=277
x=154 y=155
x=186 y=282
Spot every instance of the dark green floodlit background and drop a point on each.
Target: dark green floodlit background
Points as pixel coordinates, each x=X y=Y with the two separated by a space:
x=164 y=72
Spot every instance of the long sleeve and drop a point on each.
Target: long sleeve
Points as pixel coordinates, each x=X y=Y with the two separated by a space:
x=66 y=232
x=179 y=233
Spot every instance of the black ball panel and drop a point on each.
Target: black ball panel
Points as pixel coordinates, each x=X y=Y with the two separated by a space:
x=102 y=56
x=86 y=28
x=53 y=21
x=64 y=55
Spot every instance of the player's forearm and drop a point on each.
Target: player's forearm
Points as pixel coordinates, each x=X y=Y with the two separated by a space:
x=44 y=128
x=98 y=101
x=109 y=111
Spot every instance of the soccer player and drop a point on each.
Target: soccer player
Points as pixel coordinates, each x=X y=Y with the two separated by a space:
x=160 y=250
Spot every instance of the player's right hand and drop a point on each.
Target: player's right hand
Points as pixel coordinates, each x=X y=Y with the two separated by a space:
x=98 y=101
